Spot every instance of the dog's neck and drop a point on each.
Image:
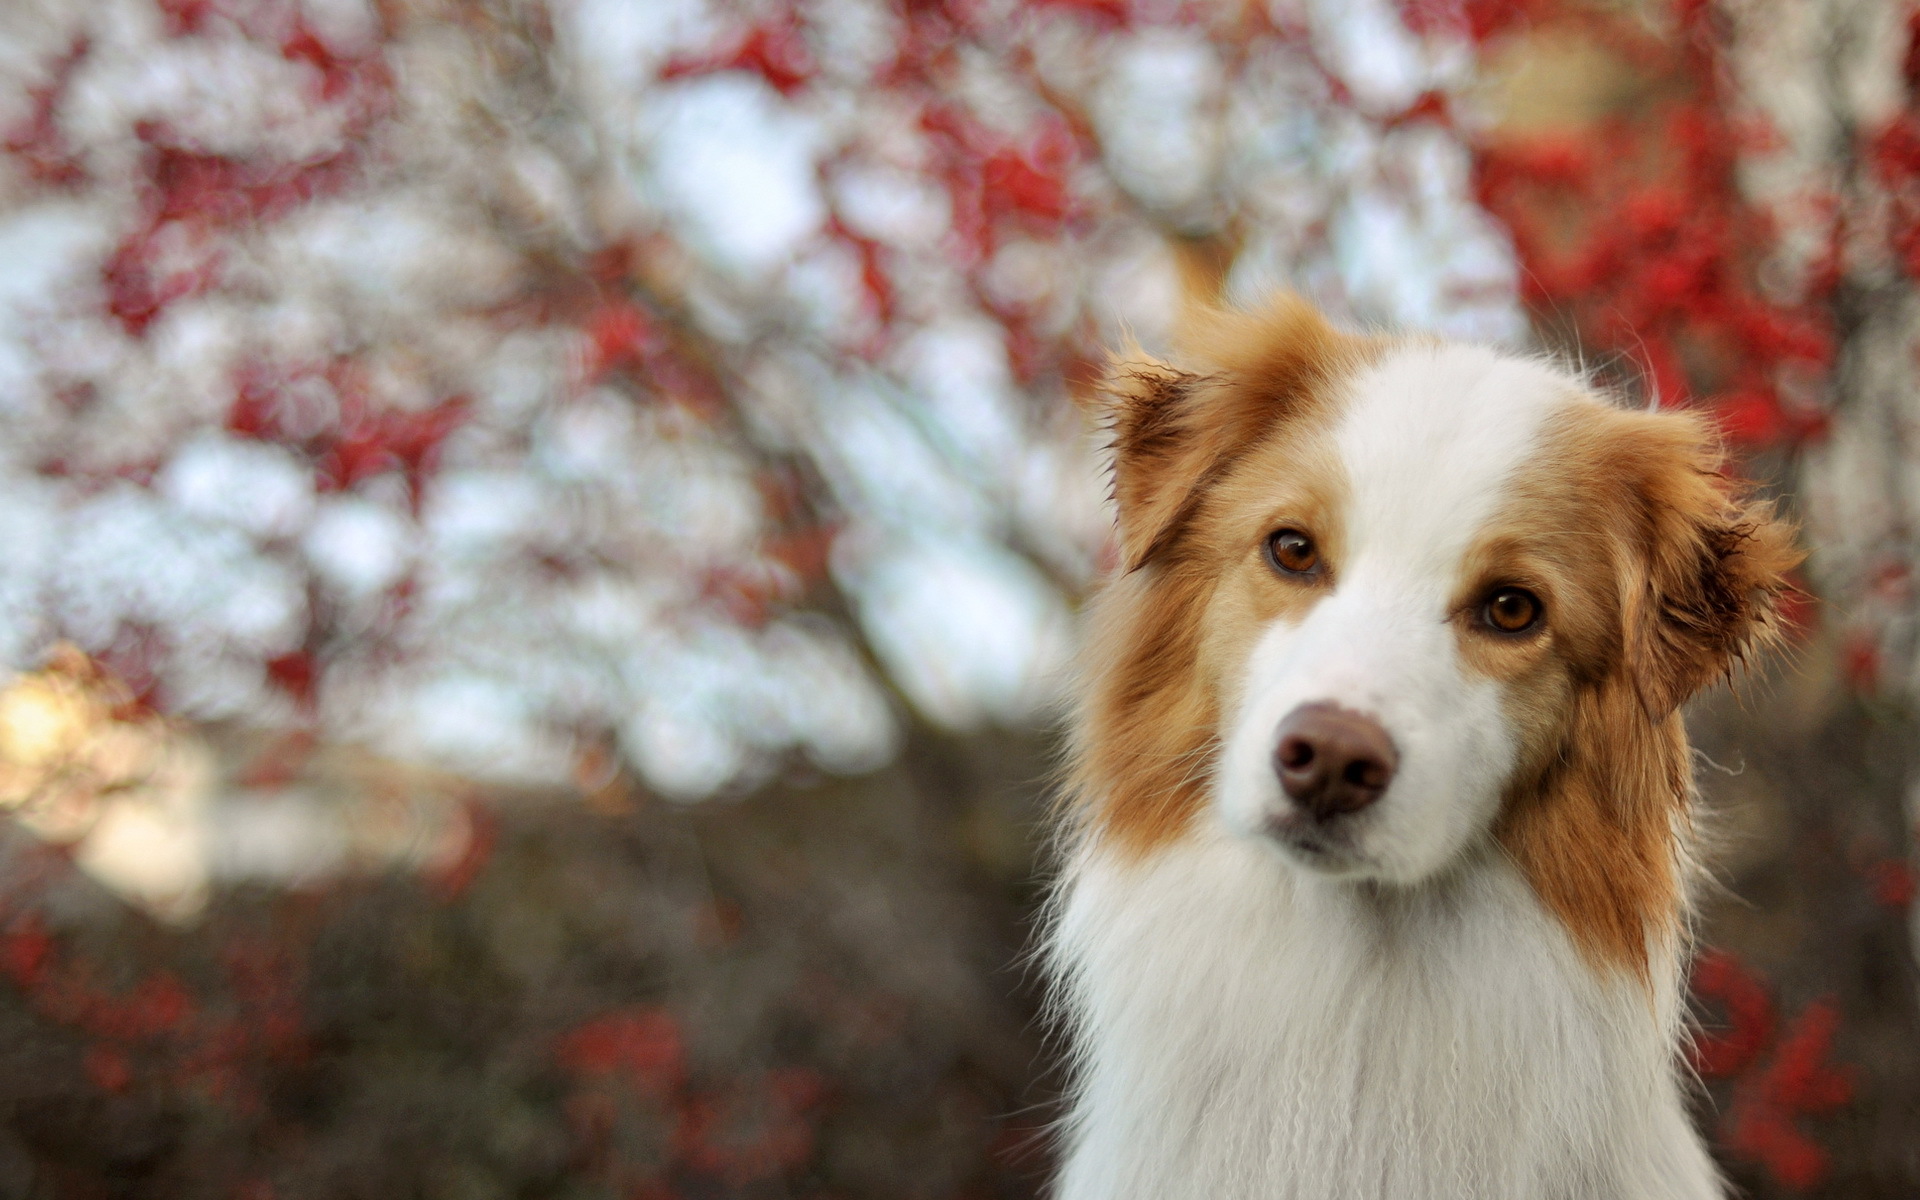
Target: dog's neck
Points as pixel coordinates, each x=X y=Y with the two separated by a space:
x=1248 y=1030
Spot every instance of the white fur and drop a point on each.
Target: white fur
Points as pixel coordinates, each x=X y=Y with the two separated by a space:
x=1249 y=1031
x=1427 y=439
x=1399 y=1018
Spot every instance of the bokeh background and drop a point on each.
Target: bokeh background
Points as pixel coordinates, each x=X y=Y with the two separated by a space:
x=538 y=541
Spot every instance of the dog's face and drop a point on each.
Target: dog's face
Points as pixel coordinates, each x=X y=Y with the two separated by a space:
x=1380 y=597
x=1404 y=606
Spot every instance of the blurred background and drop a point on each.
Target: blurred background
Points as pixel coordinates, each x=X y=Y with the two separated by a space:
x=538 y=540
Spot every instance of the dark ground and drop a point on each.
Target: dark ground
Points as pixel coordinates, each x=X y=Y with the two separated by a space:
x=814 y=992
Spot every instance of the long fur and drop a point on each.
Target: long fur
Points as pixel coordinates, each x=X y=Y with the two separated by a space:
x=1482 y=999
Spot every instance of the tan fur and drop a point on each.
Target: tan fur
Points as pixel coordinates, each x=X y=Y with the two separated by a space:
x=1657 y=578
x=1188 y=447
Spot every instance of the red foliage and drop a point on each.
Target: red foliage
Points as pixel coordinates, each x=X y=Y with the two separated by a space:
x=875 y=283
x=190 y=195
x=1760 y=1124
x=185 y=17
x=1634 y=231
x=159 y=1030
x=641 y=1046
x=777 y=51
x=107 y=1068
x=218 y=190
x=1105 y=14
x=619 y=335
x=340 y=75
x=751 y=1129
x=1476 y=19
x=371 y=443
x=1861 y=661
x=1894 y=154
x=37 y=141
x=747 y=595
x=25 y=950
x=141 y=283
x=343 y=431
x=1761 y=1127
x=803 y=550
x=995 y=182
x=296 y=674
x=758 y=1129
x=1718 y=976
x=188 y=198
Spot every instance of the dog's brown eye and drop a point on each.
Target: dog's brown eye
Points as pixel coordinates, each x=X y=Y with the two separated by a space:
x=1293 y=552
x=1512 y=610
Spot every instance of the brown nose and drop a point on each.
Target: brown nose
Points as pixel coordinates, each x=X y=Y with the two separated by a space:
x=1332 y=761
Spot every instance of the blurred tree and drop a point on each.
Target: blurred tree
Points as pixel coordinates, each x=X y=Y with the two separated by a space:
x=670 y=400
x=503 y=383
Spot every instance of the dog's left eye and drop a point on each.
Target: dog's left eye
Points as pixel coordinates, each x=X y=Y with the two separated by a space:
x=1293 y=552
x=1511 y=610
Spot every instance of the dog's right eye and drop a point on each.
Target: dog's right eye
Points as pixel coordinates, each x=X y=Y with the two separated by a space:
x=1293 y=553
x=1511 y=610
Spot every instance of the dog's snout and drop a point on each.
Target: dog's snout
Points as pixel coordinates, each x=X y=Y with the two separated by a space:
x=1331 y=760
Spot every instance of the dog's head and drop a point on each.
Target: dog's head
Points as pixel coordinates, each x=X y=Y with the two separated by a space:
x=1385 y=601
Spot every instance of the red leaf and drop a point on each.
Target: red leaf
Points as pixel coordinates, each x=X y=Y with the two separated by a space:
x=874 y=280
x=295 y=675
x=1761 y=1123
x=1719 y=976
x=1105 y=14
x=1910 y=62
x=107 y=1068
x=26 y=950
x=639 y=1045
x=1751 y=418
x=337 y=73
x=38 y=140
x=1800 y=1078
x=139 y=288
x=1860 y=662
x=160 y=1004
x=185 y=17
x=620 y=335
x=777 y=52
x=1476 y=19
x=1427 y=106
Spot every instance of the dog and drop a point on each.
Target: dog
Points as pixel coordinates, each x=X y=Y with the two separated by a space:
x=1380 y=829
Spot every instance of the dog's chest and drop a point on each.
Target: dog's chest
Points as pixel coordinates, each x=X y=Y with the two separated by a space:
x=1246 y=1036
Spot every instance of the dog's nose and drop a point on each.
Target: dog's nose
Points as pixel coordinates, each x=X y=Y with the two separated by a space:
x=1331 y=760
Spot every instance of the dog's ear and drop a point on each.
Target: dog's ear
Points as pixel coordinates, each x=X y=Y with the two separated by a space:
x=1175 y=428
x=1714 y=564
x=1153 y=414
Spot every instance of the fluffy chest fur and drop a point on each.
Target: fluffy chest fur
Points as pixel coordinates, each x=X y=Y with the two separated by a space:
x=1380 y=811
x=1246 y=1033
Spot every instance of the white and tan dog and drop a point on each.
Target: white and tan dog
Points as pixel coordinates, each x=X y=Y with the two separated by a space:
x=1380 y=824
